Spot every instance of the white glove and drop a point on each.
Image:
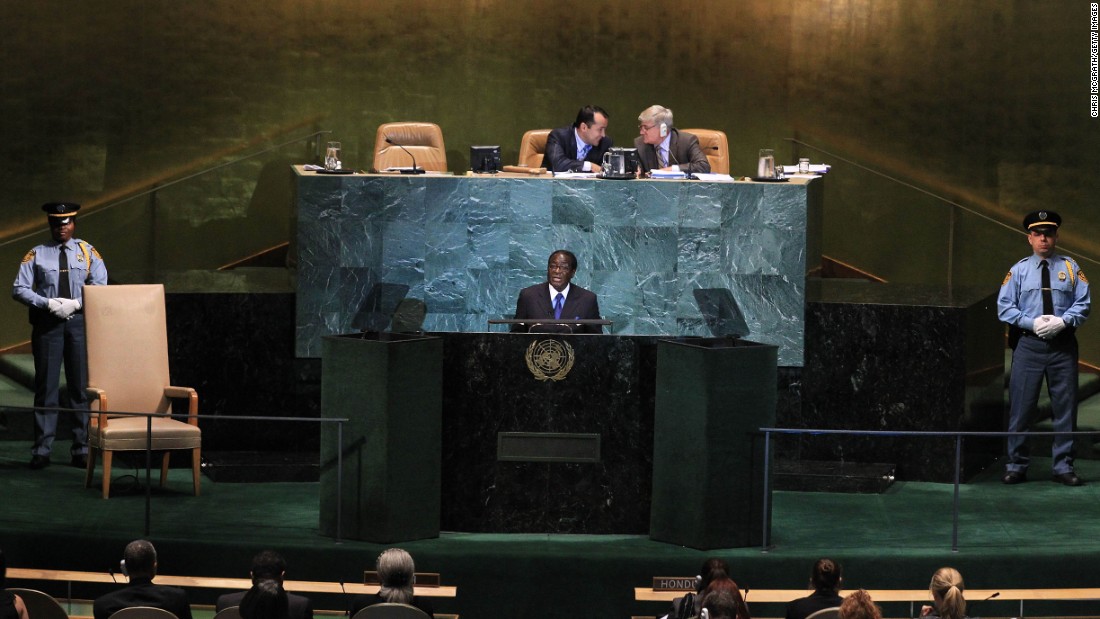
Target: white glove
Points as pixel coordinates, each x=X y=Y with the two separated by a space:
x=69 y=307
x=1042 y=326
x=55 y=307
x=1056 y=326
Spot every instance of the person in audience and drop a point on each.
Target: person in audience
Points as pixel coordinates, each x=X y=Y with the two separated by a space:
x=825 y=580
x=664 y=147
x=722 y=588
x=579 y=148
x=140 y=565
x=690 y=604
x=265 y=600
x=947 y=595
x=1044 y=299
x=397 y=574
x=269 y=565
x=859 y=605
x=11 y=605
x=557 y=298
x=719 y=605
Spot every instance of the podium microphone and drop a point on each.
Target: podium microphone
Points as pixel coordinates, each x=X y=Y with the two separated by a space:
x=414 y=170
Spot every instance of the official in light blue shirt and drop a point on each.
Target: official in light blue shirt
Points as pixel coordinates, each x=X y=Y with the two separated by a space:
x=1044 y=299
x=50 y=282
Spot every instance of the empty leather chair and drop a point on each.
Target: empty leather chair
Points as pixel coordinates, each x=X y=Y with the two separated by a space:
x=716 y=148
x=532 y=147
x=423 y=140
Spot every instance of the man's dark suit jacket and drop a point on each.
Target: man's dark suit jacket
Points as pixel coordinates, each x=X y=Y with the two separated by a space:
x=142 y=592
x=300 y=607
x=561 y=151
x=535 y=302
x=684 y=151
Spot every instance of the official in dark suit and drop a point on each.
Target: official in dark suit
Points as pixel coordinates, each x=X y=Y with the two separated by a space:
x=557 y=298
x=579 y=148
x=269 y=565
x=664 y=147
x=140 y=565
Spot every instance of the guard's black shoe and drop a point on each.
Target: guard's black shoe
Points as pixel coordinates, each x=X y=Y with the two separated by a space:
x=1014 y=477
x=80 y=461
x=39 y=462
x=1069 y=479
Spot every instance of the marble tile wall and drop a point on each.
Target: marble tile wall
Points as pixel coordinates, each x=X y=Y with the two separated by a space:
x=465 y=246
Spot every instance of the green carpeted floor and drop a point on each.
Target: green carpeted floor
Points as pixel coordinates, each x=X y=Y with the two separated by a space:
x=1038 y=534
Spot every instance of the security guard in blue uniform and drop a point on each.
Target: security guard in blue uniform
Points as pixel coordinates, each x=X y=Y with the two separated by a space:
x=51 y=283
x=1044 y=299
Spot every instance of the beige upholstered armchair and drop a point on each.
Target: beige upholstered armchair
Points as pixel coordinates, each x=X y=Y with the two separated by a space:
x=716 y=148
x=423 y=140
x=128 y=372
x=532 y=147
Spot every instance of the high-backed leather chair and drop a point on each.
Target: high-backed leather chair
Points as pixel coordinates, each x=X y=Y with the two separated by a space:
x=40 y=605
x=388 y=610
x=716 y=147
x=532 y=147
x=127 y=339
x=142 y=612
x=423 y=140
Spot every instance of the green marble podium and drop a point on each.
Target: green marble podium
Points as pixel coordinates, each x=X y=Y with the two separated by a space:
x=708 y=461
x=390 y=388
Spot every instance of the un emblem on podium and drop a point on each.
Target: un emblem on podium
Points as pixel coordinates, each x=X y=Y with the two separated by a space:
x=549 y=359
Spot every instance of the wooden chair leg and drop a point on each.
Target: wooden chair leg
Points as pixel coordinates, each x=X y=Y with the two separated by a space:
x=196 y=461
x=164 y=468
x=107 y=455
x=90 y=470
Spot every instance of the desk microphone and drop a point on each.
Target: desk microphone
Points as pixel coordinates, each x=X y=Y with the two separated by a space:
x=414 y=170
x=111 y=571
x=347 y=602
x=688 y=175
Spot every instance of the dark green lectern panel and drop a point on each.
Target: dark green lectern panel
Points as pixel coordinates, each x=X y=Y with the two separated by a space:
x=389 y=387
x=712 y=396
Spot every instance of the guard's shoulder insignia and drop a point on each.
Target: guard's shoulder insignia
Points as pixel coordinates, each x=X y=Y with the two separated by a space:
x=1081 y=276
x=95 y=252
x=28 y=257
x=1008 y=277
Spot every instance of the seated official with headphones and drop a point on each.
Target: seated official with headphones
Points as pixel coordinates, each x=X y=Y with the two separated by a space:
x=139 y=564
x=664 y=147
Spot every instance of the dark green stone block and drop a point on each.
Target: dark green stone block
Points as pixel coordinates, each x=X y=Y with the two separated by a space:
x=389 y=387
x=708 y=463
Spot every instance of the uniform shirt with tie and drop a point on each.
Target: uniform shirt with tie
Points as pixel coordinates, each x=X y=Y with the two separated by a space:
x=39 y=276
x=1021 y=298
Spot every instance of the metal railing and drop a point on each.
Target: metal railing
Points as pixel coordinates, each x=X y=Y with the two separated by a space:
x=957 y=435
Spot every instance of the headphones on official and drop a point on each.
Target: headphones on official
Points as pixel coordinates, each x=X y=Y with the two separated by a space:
x=122 y=568
x=664 y=129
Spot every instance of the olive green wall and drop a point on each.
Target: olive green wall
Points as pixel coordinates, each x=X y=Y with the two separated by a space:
x=985 y=102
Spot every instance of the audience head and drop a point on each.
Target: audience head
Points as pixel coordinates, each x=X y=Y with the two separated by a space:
x=712 y=568
x=858 y=605
x=720 y=605
x=268 y=565
x=265 y=600
x=140 y=558
x=722 y=585
x=397 y=573
x=947 y=593
x=826 y=575
x=650 y=122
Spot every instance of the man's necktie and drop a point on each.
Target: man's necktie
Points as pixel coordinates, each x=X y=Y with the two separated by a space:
x=1048 y=298
x=662 y=157
x=63 y=273
x=559 y=301
x=584 y=152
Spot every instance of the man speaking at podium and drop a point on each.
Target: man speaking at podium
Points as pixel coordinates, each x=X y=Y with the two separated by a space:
x=557 y=298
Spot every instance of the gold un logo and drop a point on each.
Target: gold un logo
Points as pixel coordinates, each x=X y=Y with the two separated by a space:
x=549 y=359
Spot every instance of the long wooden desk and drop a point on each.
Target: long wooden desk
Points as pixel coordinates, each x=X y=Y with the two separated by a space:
x=644 y=594
x=298 y=586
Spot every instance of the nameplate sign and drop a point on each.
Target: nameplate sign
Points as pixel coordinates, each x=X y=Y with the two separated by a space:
x=674 y=583
x=423 y=579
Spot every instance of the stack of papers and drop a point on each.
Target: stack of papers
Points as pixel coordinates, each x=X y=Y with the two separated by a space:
x=574 y=175
x=666 y=174
x=815 y=168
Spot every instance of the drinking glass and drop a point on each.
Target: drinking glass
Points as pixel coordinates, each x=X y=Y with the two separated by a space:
x=765 y=167
x=804 y=165
x=332 y=156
